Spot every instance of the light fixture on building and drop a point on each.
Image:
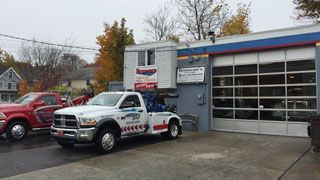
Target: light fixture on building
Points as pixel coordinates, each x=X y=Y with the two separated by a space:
x=212 y=36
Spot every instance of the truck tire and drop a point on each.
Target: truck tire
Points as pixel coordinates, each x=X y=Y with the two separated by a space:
x=16 y=130
x=106 y=141
x=64 y=143
x=173 y=131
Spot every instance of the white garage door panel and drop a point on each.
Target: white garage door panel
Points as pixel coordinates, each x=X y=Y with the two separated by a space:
x=272 y=56
x=247 y=126
x=250 y=58
x=223 y=125
x=301 y=53
x=272 y=127
x=222 y=60
x=298 y=129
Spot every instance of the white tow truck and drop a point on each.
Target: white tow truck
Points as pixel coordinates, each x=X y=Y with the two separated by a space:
x=111 y=116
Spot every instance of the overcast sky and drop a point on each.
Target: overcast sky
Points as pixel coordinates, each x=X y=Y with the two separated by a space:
x=82 y=20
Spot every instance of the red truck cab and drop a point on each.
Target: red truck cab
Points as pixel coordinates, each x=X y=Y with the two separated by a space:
x=33 y=111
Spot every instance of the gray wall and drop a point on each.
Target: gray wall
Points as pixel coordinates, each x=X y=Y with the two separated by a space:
x=187 y=102
x=116 y=86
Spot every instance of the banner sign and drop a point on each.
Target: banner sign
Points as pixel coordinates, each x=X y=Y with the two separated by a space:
x=146 y=78
x=191 y=75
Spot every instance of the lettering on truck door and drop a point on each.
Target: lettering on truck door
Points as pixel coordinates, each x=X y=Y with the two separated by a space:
x=132 y=116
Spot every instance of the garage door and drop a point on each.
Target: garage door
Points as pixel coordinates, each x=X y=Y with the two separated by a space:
x=270 y=92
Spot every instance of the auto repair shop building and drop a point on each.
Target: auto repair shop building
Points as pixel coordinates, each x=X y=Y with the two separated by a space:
x=264 y=83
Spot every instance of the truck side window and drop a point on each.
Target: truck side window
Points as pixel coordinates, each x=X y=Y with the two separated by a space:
x=49 y=100
x=133 y=98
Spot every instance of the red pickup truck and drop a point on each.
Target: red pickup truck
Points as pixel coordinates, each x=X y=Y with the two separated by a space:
x=33 y=111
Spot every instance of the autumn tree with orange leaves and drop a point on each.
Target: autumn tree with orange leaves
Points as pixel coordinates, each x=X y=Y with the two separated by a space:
x=111 y=54
x=238 y=23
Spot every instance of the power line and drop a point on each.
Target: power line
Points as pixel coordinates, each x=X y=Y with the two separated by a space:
x=162 y=49
x=47 y=43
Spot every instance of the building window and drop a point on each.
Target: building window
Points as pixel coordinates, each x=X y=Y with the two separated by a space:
x=14 y=86
x=141 y=58
x=10 y=74
x=1 y=85
x=151 y=57
x=9 y=86
x=4 y=97
x=88 y=82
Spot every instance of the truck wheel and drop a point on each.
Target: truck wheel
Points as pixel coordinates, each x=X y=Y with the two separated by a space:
x=64 y=143
x=106 y=141
x=16 y=130
x=173 y=131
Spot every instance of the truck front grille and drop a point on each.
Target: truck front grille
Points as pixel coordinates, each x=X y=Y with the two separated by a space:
x=65 y=121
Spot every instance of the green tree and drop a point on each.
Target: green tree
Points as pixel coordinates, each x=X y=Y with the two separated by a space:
x=111 y=54
x=238 y=23
x=308 y=9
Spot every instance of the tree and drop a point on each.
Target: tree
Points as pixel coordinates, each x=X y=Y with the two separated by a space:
x=238 y=23
x=308 y=9
x=160 y=25
x=45 y=61
x=198 y=17
x=72 y=61
x=7 y=60
x=174 y=38
x=110 y=58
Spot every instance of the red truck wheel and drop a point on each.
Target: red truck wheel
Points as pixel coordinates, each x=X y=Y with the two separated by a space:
x=16 y=130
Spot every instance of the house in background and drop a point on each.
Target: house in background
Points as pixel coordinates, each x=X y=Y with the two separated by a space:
x=9 y=84
x=79 y=78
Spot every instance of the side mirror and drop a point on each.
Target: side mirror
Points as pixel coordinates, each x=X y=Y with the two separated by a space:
x=38 y=104
x=127 y=105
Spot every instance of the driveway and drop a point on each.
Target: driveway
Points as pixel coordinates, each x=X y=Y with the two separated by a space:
x=215 y=155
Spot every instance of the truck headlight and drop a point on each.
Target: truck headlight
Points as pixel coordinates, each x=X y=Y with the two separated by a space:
x=87 y=121
x=2 y=116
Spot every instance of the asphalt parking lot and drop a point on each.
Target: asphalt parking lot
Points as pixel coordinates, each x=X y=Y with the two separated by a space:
x=216 y=155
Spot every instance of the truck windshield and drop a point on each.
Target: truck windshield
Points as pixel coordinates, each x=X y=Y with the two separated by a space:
x=26 y=99
x=105 y=99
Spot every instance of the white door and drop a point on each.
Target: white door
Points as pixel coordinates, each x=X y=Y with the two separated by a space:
x=133 y=118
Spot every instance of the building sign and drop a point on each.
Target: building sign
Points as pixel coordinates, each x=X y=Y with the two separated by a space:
x=146 y=78
x=191 y=75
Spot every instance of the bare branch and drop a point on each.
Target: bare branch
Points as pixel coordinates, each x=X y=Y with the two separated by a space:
x=198 y=17
x=46 y=61
x=160 y=25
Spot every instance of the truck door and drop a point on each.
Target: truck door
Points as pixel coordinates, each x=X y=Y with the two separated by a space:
x=44 y=114
x=133 y=117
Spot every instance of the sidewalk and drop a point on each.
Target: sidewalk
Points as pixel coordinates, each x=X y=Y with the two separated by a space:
x=215 y=155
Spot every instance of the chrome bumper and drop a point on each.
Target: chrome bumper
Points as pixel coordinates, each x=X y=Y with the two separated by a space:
x=83 y=134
